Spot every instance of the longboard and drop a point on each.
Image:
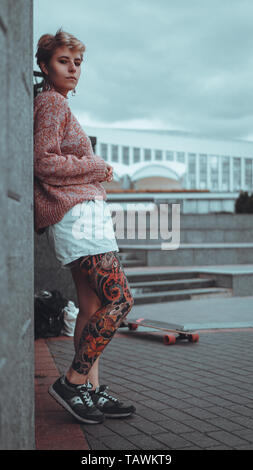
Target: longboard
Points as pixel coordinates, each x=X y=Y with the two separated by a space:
x=179 y=333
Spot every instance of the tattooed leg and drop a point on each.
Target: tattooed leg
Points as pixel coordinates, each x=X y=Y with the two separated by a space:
x=106 y=276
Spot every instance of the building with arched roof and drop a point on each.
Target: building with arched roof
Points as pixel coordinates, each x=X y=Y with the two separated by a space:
x=165 y=160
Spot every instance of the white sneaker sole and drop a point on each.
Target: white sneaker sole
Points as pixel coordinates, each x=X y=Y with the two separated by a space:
x=65 y=405
x=107 y=415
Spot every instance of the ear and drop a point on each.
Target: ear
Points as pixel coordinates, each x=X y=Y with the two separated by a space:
x=44 y=68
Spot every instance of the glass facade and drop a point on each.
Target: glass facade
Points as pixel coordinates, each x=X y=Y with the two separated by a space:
x=169 y=155
x=125 y=158
x=248 y=173
x=236 y=173
x=180 y=157
x=204 y=171
x=214 y=172
x=104 y=151
x=158 y=155
x=147 y=154
x=137 y=155
x=192 y=182
x=225 y=173
x=115 y=153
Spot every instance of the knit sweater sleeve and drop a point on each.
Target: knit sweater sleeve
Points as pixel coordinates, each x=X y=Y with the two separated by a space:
x=50 y=166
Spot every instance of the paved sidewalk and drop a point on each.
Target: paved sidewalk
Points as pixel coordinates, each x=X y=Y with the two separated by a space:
x=54 y=428
x=204 y=313
x=188 y=396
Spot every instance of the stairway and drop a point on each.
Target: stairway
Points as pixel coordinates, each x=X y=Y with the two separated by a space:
x=156 y=287
x=132 y=258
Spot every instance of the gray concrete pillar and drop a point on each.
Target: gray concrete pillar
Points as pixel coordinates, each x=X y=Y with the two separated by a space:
x=16 y=221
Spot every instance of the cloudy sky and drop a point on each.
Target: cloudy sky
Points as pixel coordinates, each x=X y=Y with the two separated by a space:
x=166 y=64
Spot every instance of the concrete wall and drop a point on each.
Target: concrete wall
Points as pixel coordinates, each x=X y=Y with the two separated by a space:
x=16 y=220
x=48 y=274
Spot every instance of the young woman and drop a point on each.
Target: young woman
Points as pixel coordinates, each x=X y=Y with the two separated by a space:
x=70 y=205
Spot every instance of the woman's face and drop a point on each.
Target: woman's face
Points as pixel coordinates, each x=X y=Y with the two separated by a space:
x=64 y=69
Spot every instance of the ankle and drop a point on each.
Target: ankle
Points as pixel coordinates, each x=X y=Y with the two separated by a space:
x=94 y=387
x=76 y=379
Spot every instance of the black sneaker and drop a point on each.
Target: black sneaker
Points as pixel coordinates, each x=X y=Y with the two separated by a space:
x=110 y=406
x=77 y=401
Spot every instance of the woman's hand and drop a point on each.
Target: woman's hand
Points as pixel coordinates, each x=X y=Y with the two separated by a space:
x=109 y=173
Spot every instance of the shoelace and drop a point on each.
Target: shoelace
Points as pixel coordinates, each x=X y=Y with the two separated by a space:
x=106 y=395
x=84 y=391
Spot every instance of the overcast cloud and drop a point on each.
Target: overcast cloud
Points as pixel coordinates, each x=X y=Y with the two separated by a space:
x=185 y=64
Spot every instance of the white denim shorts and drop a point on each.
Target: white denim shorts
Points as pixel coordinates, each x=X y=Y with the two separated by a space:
x=86 y=229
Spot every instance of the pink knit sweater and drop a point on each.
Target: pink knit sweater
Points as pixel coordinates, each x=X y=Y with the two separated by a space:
x=66 y=171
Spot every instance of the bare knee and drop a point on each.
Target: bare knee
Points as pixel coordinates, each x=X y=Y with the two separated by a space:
x=88 y=300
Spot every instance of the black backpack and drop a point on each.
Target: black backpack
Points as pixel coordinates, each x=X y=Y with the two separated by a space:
x=48 y=313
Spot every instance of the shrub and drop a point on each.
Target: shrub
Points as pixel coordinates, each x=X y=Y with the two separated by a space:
x=244 y=203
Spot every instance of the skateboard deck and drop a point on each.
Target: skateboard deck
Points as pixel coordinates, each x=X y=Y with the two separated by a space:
x=178 y=331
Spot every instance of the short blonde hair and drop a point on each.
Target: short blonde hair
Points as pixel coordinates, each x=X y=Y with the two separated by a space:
x=46 y=47
x=48 y=43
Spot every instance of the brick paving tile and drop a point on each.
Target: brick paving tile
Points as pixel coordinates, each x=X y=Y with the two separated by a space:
x=226 y=424
x=123 y=428
x=97 y=431
x=245 y=447
x=219 y=447
x=154 y=404
x=246 y=422
x=245 y=434
x=243 y=410
x=228 y=438
x=223 y=412
x=117 y=442
x=200 y=413
x=146 y=426
x=151 y=415
x=173 y=441
x=144 y=442
x=199 y=424
x=175 y=426
x=188 y=396
x=200 y=439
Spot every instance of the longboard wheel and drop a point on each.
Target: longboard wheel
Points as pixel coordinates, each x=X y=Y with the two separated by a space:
x=169 y=339
x=132 y=326
x=194 y=338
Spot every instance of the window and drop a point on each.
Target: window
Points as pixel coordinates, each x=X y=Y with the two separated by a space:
x=137 y=155
x=158 y=155
x=115 y=153
x=225 y=173
x=237 y=173
x=104 y=151
x=147 y=154
x=214 y=172
x=169 y=155
x=126 y=155
x=248 y=173
x=192 y=170
x=180 y=157
x=203 y=171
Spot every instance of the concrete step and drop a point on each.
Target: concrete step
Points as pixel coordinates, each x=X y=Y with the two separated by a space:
x=193 y=254
x=132 y=258
x=143 y=287
x=159 y=275
x=128 y=263
x=186 y=294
